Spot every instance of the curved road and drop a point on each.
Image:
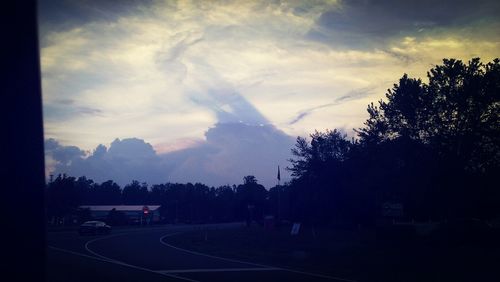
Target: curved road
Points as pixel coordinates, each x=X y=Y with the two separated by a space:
x=144 y=254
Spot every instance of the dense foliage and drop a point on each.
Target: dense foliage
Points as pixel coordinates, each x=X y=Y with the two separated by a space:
x=434 y=148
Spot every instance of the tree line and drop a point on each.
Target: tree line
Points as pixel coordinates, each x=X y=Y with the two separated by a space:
x=432 y=148
x=188 y=203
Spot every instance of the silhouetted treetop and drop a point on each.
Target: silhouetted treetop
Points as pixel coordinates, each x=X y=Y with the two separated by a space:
x=325 y=147
x=456 y=113
x=249 y=179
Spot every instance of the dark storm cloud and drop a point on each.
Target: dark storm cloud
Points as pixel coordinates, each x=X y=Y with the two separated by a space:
x=62 y=154
x=67 y=14
x=125 y=160
x=230 y=152
x=368 y=23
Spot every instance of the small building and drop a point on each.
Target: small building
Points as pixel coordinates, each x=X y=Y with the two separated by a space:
x=135 y=214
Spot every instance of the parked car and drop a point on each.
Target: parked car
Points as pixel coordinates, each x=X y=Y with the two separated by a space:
x=94 y=228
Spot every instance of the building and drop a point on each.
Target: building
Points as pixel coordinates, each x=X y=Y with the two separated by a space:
x=135 y=214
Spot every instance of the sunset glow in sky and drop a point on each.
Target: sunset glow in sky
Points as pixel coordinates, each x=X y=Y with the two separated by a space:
x=216 y=90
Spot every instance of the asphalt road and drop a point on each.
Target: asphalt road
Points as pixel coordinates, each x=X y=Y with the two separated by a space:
x=144 y=254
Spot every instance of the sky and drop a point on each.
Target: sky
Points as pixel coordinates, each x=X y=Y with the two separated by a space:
x=212 y=91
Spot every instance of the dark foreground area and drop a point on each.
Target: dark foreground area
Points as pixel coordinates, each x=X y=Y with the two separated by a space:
x=234 y=252
x=146 y=254
x=392 y=253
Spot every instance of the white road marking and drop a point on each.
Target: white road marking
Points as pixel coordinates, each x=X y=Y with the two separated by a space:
x=78 y=254
x=102 y=258
x=170 y=273
x=196 y=270
x=210 y=256
x=98 y=239
x=254 y=264
x=126 y=264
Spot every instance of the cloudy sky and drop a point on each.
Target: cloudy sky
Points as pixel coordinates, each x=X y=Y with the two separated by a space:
x=211 y=91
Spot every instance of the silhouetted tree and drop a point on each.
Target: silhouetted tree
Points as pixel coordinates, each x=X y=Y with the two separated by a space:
x=279 y=201
x=224 y=204
x=456 y=114
x=62 y=198
x=107 y=193
x=452 y=124
x=116 y=217
x=251 y=198
x=317 y=190
x=433 y=147
x=135 y=193
x=83 y=187
x=157 y=194
x=324 y=148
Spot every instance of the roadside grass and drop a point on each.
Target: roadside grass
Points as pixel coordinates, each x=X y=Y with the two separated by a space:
x=363 y=255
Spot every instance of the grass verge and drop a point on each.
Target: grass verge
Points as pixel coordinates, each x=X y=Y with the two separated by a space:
x=354 y=254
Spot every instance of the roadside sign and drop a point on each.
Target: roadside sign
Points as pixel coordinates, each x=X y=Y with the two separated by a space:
x=392 y=209
x=295 y=228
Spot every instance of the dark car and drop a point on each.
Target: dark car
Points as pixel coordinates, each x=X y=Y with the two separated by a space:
x=94 y=228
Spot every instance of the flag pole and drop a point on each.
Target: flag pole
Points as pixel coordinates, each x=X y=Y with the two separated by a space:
x=279 y=196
